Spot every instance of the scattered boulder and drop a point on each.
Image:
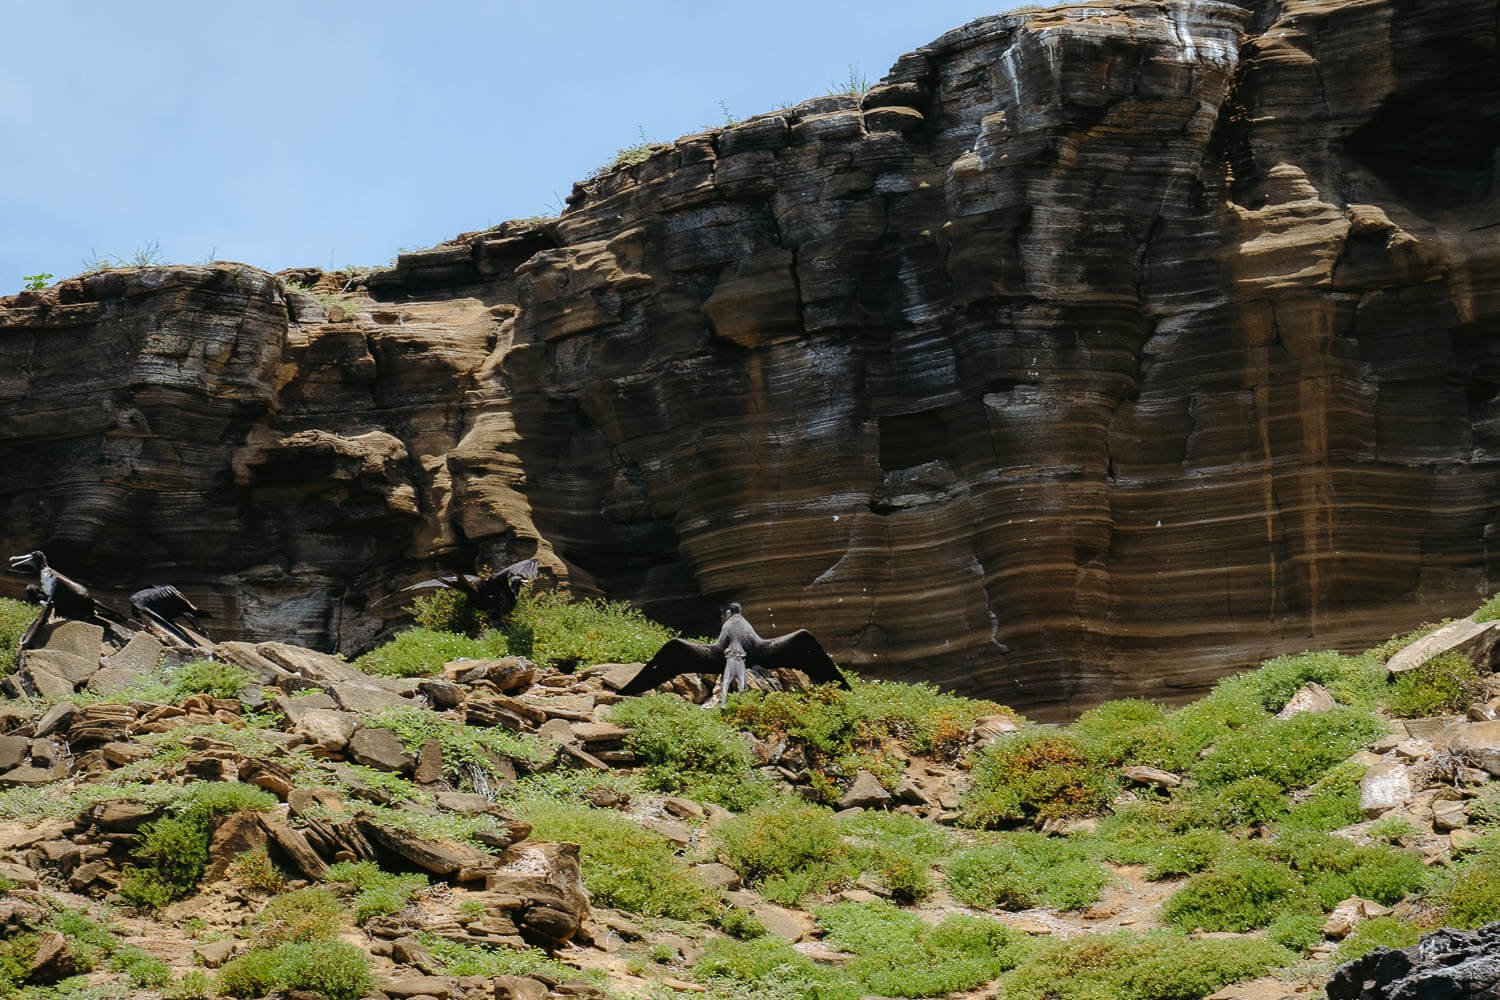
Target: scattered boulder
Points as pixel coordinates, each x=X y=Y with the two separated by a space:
x=329 y=728
x=1385 y=786
x=110 y=680
x=1476 y=640
x=71 y=667
x=382 y=749
x=56 y=719
x=548 y=880
x=864 y=792
x=1310 y=697
x=13 y=751
x=1480 y=741
x=54 y=960
x=366 y=699
x=140 y=654
x=1349 y=914
x=1151 y=776
x=44 y=684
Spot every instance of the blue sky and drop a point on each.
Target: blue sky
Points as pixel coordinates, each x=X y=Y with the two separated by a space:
x=318 y=133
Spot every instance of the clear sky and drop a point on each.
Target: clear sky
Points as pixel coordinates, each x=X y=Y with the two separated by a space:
x=328 y=133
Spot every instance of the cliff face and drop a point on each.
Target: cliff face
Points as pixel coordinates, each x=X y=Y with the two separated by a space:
x=1096 y=352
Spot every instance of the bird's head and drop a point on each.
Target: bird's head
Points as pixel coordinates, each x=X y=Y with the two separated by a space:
x=31 y=562
x=732 y=609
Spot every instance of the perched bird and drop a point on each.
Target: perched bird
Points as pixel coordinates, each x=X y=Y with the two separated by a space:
x=496 y=595
x=163 y=605
x=737 y=648
x=68 y=597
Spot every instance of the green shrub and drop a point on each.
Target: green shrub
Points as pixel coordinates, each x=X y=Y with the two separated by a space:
x=1290 y=752
x=1036 y=774
x=419 y=652
x=1488 y=611
x=1134 y=832
x=1296 y=931
x=1128 y=732
x=376 y=893
x=623 y=865
x=194 y=985
x=332 y=969
x=254 y=871
x=769 y=966
x=217 y=680
x=1334 y=868
x=1023 y=870
x=1446 y=683
x=1186 y=853
x=550 y=628
x=1251 y=801
x=691 y=751
x=1332 y=801
x=739 y=923
x=311 y=914
x=15 y=617
x=789 y=847
x=1389 y=931
x=450 y=611
x=463 y=745
x=1160 y=965
x=901 y=955
x=175 y=847
x=1355 y=681
x=470 y=960
x=898 y=850
x=1240 y=893
x=143 y=970
x=1472 y=898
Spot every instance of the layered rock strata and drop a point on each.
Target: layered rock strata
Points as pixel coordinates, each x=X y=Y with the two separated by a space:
x=1097 y=351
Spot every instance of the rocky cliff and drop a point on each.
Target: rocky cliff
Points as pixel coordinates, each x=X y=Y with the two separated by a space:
x=1096 y=351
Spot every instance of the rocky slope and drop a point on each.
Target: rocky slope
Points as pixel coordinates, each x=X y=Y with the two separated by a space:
x=171 y=827
x=1097 y=350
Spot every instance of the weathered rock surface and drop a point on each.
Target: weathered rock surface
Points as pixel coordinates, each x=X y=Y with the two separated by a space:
x=1096 y=352
x=1445 y=964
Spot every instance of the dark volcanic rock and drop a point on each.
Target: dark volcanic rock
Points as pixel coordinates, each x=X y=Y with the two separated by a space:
x=1447 y=965
x=1096 y=351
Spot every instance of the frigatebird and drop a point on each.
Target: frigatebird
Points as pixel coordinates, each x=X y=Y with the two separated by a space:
x=66 y=596
x=163 y=605
x=496 y=594
x=738 y=647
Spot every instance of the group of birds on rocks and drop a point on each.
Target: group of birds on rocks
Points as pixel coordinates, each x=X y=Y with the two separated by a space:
x=739 y=648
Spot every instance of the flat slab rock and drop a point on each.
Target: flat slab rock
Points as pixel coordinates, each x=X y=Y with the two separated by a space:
x=1476 y=640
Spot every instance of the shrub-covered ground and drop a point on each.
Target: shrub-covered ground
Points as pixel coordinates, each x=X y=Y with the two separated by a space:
x=708 y=838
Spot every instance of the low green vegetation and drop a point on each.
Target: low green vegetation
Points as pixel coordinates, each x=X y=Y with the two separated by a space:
x=691 y=752
x=624 y=865
x=1161 y=965
x=1290 y=752
x=217 y=680
x=174 y=849
x=15 y=617
x=1381 y=932
x=1445 y=683
x=310 y=914
x=92 y=943
x=335 y=970
x=421 y=652
x=376 y=893
x=1035 y=774
x=463 y=745
x=786 y=848
x=458 y=959
x=1472 y=897
x=1021 y=870
x=897 y=851
x=1488 y=611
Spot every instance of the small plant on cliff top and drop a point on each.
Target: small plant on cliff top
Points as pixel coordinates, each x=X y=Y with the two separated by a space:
x=36 y=281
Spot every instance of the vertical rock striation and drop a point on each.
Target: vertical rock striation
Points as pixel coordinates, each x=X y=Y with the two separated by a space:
x=1095 y=352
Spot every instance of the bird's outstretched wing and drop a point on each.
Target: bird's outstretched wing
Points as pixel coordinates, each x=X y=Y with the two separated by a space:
x=679 y=656
x=799 y=651
x=526 y=569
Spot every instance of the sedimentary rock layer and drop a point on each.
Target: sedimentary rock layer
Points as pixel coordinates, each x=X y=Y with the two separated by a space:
x=1097 y=351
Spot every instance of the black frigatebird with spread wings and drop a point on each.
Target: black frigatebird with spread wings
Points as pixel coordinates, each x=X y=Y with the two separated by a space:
x=737 y=648
x=66 y=596
x=162 y=606
x=496 y=595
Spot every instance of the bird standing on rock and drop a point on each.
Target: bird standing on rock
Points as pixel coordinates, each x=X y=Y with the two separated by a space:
x=68 y=597
x=738 y=647
x=163 y=605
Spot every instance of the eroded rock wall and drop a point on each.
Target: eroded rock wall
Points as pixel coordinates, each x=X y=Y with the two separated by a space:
x=1098 y=351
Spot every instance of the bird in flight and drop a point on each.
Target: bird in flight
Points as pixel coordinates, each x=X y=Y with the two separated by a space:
x=737 y=649
x=496 y=595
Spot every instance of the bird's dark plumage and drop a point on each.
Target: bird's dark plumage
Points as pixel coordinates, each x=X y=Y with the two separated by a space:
x=67 y=597
x=163 y=605
x=738 y=647
x=496 y=594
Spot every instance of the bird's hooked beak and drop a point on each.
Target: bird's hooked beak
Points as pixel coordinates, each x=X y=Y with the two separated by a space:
x=31 y=562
